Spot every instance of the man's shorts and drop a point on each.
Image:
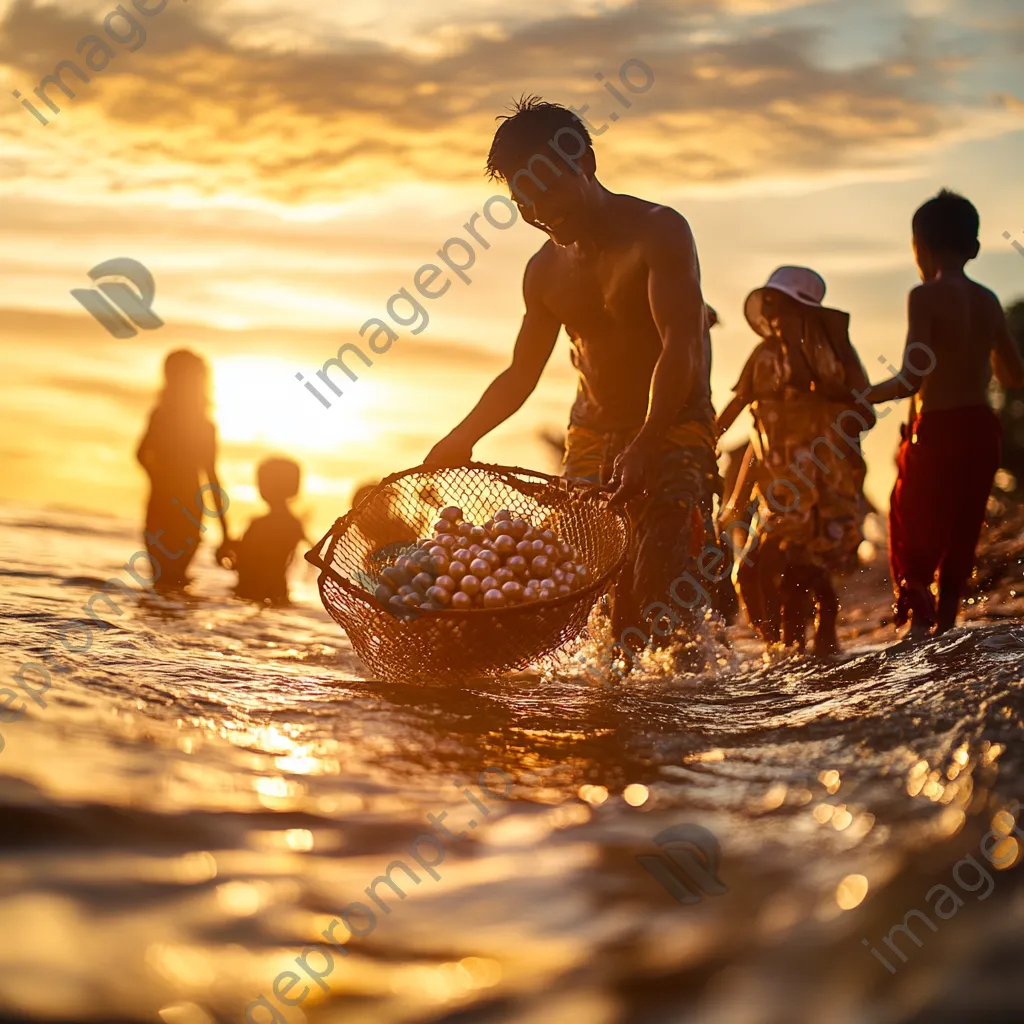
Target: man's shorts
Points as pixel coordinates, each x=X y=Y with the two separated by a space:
x=672 y=522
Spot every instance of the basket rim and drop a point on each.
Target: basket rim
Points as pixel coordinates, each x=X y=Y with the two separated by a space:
x=568 y=484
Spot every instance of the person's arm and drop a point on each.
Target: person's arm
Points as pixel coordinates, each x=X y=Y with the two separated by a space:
x=891 y=390
x=728 y=415
x=741 y=489
x=145 y=453
x=1006 y=357
x=511 y=388
x=919 y=332
x=856 y=375
x=677 y=307
x=857 y=382
x=673 y=290
x=855 y=378
x=218 y=502
x=211 y=475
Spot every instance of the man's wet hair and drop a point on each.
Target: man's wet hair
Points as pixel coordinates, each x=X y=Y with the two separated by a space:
x=948 y=223
x=527 y=131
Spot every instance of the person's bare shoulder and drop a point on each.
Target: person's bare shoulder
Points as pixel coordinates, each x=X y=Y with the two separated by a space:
x=924 y=306
x=993 y=317
x=926 y=295
x=634 y=204
x=298 y=531
x=987 y=297
x=541 y=269
x=662 y=230
x=669 y=223
x=663 y=220
x=651 y=218
x=940 y=297
x=543 y=261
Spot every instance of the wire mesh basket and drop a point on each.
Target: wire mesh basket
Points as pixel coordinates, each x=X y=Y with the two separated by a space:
x=454 y=645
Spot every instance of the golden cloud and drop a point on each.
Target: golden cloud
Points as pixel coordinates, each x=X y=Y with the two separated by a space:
x=197 y=111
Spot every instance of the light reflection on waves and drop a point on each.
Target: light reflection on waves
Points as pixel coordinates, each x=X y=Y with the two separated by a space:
x=194 y=807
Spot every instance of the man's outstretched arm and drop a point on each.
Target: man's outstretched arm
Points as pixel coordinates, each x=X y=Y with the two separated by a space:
x=677 y=307
x=511 y=388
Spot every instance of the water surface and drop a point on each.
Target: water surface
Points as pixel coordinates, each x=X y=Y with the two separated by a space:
x=210 y=785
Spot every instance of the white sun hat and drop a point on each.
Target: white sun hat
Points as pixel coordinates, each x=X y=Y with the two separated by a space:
x=800 y=283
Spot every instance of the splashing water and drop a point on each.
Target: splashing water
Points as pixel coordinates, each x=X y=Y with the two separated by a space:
x=210 y=784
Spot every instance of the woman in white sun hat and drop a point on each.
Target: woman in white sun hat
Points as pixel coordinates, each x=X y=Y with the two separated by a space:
x=807 y=467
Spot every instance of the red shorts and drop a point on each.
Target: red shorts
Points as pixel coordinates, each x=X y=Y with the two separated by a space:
x=947 y=463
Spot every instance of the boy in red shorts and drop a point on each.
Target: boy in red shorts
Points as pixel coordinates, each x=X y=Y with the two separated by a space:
x=950 y=452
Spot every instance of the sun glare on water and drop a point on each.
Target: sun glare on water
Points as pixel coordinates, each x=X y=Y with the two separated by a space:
x=257 y=400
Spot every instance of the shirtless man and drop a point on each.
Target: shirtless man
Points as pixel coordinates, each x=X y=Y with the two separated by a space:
x=950 y=452
x=621 y=275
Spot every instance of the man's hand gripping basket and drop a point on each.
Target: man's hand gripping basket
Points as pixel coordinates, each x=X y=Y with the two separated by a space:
x=448 y=645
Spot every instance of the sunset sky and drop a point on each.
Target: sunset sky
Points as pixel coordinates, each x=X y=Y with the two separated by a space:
x=284 y=169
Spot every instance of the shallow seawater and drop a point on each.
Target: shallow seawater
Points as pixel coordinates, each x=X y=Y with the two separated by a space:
x=210 y=785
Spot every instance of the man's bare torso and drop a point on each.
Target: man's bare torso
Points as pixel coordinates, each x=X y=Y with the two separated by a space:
x=601 y=297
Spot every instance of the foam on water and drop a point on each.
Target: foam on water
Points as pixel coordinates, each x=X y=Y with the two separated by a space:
x=210 y=784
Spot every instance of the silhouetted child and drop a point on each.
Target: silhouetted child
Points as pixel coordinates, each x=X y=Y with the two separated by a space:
x=950 y=452
x=264 y=553
x=807 y=471
x=180 y=446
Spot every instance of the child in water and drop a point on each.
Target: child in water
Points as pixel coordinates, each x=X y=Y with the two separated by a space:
x=807 y=482
x=264 y=553
x=950 y=453
x=179 y=446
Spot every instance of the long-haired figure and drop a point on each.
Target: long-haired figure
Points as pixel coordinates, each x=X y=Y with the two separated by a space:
x=178 y=449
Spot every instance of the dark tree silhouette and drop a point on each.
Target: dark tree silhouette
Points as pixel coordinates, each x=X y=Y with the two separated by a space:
x=1011 y=407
